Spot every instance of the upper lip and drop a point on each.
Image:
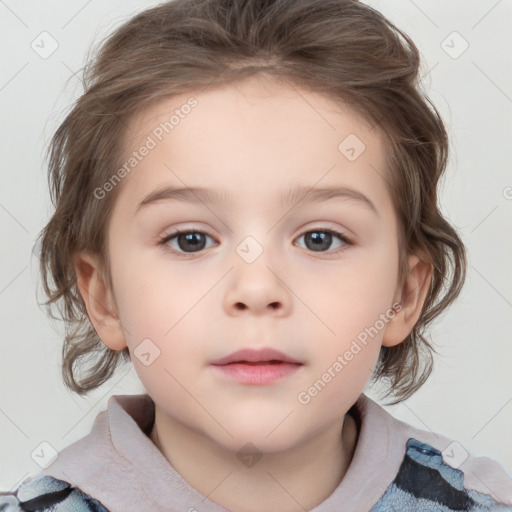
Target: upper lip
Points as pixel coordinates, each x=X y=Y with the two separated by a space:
x=255 y=356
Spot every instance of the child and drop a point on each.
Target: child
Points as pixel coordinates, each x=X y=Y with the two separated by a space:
x=287 y=141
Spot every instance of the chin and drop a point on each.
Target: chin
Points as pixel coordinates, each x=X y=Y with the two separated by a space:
x=248 y=443
x=266 y=436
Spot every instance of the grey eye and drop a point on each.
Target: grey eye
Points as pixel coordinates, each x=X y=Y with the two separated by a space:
x=320 y=240
x=191 y=241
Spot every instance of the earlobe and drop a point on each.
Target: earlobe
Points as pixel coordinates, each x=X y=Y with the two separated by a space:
x=99 y=301
x=412 y=298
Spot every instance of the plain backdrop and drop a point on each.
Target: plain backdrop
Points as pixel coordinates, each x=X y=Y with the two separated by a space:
x=468 y=75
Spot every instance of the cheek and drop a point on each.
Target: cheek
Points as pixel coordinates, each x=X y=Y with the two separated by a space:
x=354 y=295
x=161 y=312
x=152 y=296
x=354 y=304
x=355 y=307
x=338 y=384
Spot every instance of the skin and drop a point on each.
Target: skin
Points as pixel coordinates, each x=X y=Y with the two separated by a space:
x=253 y=141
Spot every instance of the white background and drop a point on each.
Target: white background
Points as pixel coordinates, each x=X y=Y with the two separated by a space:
x=469 y=396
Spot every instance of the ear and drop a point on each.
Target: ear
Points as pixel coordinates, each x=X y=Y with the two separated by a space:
x=99 y=300
x=412 y=298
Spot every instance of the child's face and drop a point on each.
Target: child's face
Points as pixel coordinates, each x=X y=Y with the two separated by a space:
x=252 y=144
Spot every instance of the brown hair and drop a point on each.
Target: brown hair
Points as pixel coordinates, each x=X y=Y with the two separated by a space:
x=341 y=48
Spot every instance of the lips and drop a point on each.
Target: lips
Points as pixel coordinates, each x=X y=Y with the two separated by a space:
x=255 y=357
x=263 y=367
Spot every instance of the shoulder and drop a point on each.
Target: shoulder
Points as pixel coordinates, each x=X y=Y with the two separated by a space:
x=426 y=481
x=423 y=470
x=45 y=494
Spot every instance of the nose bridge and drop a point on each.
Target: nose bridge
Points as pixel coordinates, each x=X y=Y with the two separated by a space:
x=255 y=283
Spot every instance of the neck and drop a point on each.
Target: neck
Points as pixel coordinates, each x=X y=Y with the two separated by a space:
x=296 y=479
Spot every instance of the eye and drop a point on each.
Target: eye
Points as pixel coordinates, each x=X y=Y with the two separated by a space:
x=190 y=242
x=319 y=240
x=186 y=241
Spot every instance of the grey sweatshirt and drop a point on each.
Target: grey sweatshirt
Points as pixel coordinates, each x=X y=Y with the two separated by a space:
x=395 y=467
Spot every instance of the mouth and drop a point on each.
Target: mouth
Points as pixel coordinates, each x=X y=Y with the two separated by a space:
x=258 y=363
x=263 y=356
x=257 y=367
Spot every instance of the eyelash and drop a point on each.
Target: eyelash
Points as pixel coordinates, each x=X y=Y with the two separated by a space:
x=167 y=238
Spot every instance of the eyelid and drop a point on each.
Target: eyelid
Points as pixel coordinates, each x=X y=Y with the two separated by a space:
x=325 y=227
x=343 y=233
x=182 y=231
x=346 y=240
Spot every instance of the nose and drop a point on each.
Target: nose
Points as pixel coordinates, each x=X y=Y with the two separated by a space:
x=257 y=289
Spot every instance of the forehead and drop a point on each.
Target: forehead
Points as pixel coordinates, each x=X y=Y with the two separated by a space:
x=251 y=98
x=259 y=135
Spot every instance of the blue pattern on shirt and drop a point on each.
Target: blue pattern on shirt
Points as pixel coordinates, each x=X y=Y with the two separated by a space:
x=424 y=483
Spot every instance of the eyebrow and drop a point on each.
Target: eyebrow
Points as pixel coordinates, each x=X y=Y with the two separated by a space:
x=316 y=195
x=293 y=196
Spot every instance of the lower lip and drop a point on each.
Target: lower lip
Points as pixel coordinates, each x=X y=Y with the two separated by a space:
x=258 y=374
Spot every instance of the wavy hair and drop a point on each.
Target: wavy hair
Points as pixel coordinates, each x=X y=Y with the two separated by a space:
x=341 y=48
